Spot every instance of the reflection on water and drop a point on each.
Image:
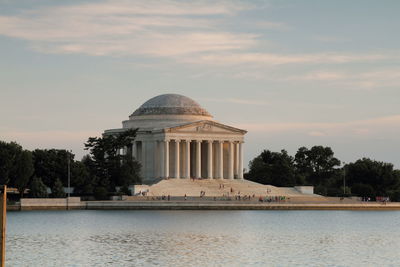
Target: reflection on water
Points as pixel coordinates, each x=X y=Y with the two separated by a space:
x=203 y=238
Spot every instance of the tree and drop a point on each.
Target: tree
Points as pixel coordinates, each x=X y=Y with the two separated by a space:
x=100 y=193
x=57 y=190
x=37 y=188
x=125 y=190
x=366 y=176
x=109 y=167
x=128 y=172
x=274 y=168
x=51 y=164
x=81 y=179
x=22 y=171
x=363 y=190
x=16 y=166
x=9 y=152
x=317 y=165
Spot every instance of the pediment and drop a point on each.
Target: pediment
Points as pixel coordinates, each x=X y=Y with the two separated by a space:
x=206 y=127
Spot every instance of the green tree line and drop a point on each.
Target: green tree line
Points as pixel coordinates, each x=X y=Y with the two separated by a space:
x=319 y=167
x=97 y=174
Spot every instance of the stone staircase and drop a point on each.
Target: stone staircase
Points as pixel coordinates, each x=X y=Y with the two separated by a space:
x=219 y=188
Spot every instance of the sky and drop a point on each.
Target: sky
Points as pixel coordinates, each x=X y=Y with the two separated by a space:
x=292 y=73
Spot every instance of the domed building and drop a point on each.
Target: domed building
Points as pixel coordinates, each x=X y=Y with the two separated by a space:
x=177 y=138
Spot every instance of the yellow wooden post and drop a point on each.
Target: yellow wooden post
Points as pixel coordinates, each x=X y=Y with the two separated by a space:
x=3 y=214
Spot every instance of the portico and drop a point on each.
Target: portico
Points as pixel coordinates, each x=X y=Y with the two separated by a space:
x=178 y=139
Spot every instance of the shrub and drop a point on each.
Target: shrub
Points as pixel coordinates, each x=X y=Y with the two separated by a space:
x=37 y=189
x=100 y=193
x=363 y=190
x=394 y=195
x=58 y=189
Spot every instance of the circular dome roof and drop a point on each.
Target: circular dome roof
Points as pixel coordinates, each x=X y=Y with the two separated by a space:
x=170 y=104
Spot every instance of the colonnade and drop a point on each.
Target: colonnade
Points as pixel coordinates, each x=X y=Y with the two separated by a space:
x=186 y=158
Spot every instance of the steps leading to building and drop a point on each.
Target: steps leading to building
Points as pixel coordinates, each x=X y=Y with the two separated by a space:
x=219 y=187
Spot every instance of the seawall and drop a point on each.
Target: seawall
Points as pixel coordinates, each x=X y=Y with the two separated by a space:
x=61 y=204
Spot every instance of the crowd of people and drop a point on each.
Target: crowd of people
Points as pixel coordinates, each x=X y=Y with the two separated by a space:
x=226 y=195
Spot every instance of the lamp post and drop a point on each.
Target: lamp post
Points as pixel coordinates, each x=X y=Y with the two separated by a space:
x=344 y=179
x=69 y=177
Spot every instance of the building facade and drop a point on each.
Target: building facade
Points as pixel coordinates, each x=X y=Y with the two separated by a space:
x=177 y=138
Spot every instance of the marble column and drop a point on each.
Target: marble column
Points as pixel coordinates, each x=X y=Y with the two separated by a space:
x=177 y=154
x=209 y=159
x=187 y=161
x=166 y=159
x=143 y=159
x=237 y=169
x=220 y=159
x=198 y=158
x=230 y=160
x=240 y=160
x=134 y=150
x=161 y=158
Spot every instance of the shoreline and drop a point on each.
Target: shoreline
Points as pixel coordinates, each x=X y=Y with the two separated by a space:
x=206 y=205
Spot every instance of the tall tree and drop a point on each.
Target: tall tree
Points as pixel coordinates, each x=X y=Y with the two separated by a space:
x=9 y=153
x=375 y=178
x=108 y=166
x=52 y=164
x=274 y=168
x=81 y=179
x=57 y=190
x=22 y=171
x=37 y=188
x=316 y=165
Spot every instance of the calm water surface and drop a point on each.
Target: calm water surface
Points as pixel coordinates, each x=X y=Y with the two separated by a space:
x=203 y=238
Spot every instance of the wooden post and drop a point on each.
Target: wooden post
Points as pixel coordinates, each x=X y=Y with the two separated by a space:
x=3 y=215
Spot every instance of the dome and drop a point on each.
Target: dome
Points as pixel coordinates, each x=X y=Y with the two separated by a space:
x=171 y=104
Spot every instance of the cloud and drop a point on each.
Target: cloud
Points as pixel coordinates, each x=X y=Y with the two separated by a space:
x=155 y=45
x=316 y=133
x=270 y=25
x=237 y=101
x=357 y=80
x=152 y=28
x=280 y=59
x=186 y=32
x=380 y=127
x=152 y=7
x=330 y=39
x=321 y=76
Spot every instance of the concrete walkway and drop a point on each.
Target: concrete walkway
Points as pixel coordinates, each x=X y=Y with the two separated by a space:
x=233 y=205
x=209 y=204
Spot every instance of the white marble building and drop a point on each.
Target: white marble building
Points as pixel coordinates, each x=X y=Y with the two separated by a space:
x=177 y=138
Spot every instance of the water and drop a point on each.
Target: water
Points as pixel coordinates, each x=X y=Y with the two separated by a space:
x=203 y=238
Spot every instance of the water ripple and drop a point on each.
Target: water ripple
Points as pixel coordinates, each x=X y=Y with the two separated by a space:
x=194 y=238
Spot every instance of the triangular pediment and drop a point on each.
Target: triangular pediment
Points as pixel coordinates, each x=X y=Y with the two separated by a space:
x=205 y=127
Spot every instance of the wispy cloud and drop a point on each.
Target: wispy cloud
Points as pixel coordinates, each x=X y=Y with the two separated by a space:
x=187 y=32
x=376 y=127
x=236 y=101
x=330 y=39
x=320 y=76
x=371 y=79
x=270 y=25
x=280 y=59
x=153 y=28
